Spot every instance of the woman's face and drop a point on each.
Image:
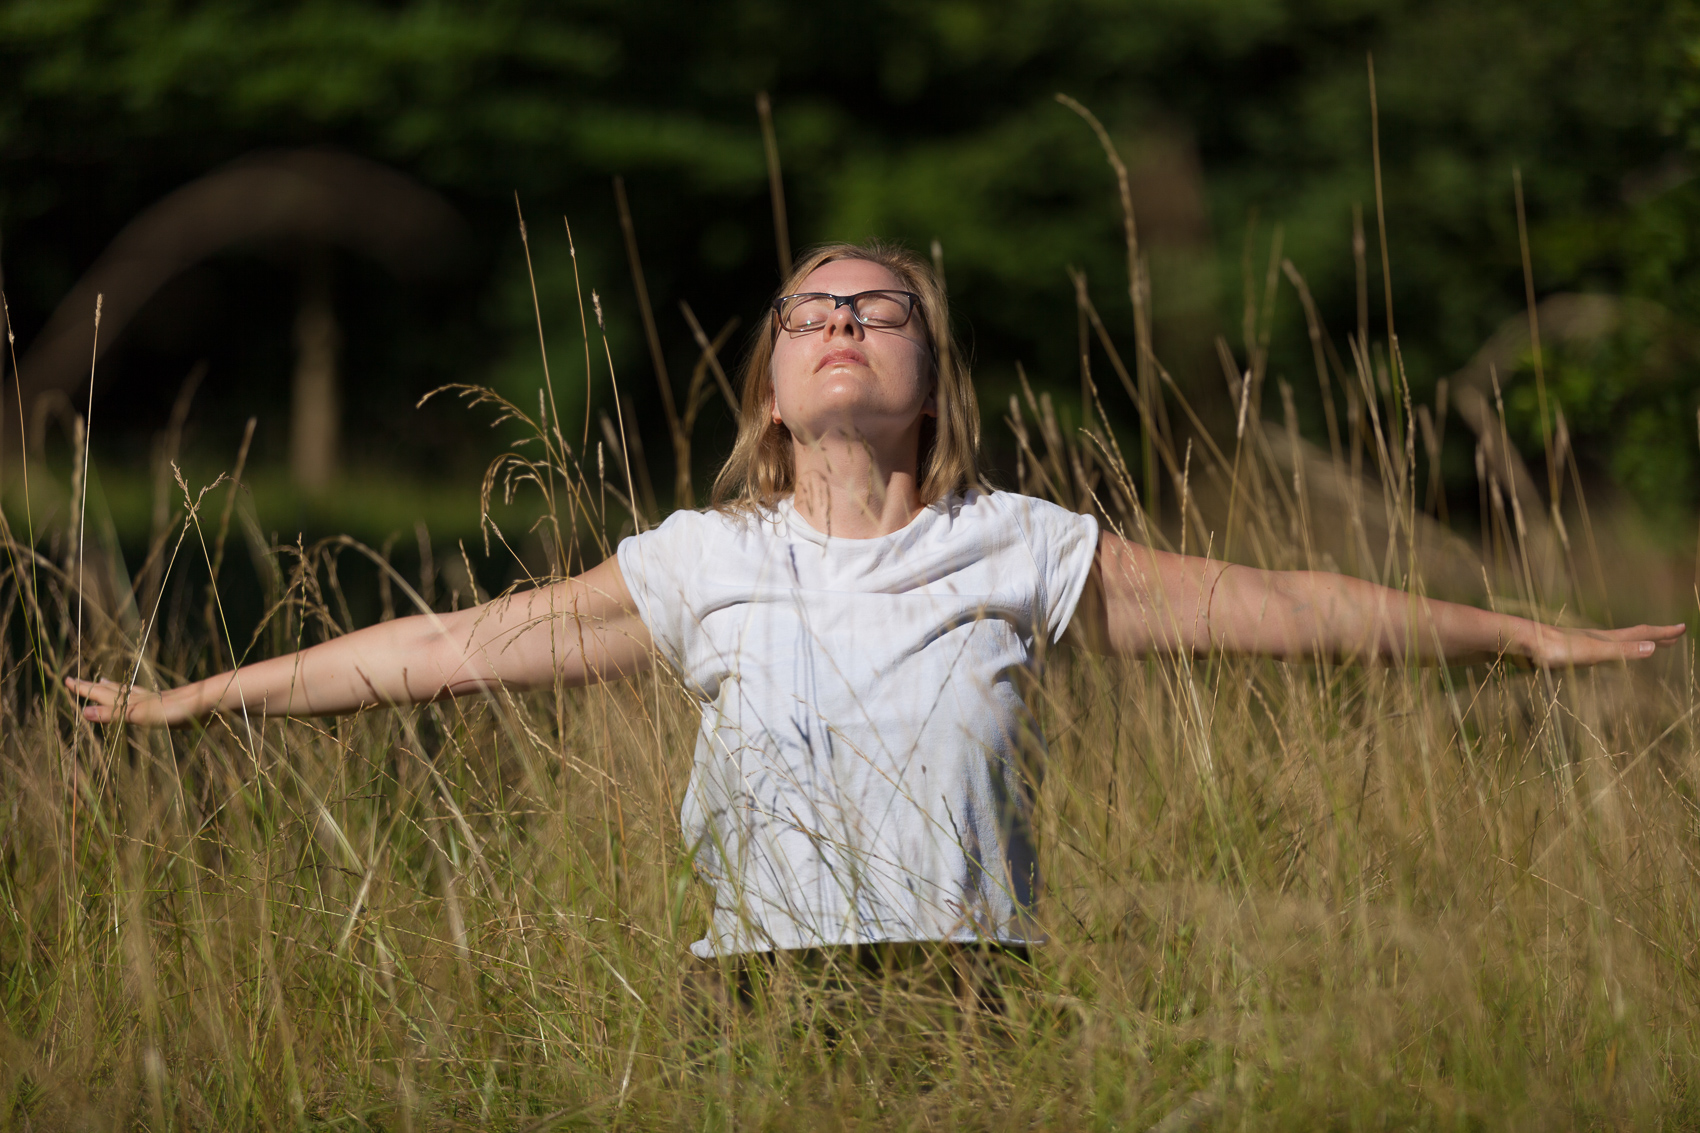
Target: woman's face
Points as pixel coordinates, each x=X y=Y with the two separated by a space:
x=845 y=379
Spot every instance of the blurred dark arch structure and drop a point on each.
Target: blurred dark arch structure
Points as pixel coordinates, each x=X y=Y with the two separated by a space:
x=303 y=203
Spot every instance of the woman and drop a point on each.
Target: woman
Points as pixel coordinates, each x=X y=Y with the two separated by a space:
x=854 y=615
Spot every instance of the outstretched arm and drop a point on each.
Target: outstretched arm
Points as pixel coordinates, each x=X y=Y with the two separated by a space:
x=1141 y=601
x=579 y=631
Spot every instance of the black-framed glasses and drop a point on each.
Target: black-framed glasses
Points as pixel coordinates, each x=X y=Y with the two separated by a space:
x=809 y=310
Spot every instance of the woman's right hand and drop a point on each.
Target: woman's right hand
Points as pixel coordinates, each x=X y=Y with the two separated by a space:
x=110 y=701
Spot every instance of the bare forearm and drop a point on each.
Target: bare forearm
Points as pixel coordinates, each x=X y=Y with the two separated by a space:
x=399 y=662
x=573 y=632
x=1141 y=601
x=1297 y=615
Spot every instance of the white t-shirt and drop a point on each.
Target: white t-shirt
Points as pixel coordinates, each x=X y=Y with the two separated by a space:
x=866 y=762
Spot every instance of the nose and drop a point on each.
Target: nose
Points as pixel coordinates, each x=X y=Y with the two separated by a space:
x=842 y=322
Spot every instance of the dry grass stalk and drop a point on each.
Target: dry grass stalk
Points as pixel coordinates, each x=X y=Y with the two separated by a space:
x=1297 y=896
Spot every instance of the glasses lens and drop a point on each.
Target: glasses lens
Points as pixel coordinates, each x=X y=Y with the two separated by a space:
x=804 y=312
x=882 y=308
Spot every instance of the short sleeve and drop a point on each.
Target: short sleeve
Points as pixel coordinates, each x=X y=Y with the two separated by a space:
x=1064 y=545
x=659 y=567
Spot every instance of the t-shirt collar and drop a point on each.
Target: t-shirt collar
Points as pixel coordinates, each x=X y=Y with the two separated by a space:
x=792 y=520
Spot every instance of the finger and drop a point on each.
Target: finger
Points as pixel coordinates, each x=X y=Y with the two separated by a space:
x=1662 y=635
x=1623 y=633
x=1582 y=651
x=1638 y=646
x=1656 y=636
x=1662 y=632
x=1635 y=650
x=103 y=693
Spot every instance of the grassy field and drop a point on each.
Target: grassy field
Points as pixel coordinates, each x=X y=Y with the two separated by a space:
x=1330 y=896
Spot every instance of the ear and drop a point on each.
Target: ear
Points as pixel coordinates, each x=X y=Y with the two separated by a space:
x=773 y=406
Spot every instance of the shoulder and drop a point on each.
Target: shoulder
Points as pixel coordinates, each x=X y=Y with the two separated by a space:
x=708 y=523
x=1062 y=546
x=1036 y=518
x=691 y=537
x=664 y=568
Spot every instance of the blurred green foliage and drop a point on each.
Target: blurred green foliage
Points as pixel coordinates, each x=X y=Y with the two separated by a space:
x=918 y=122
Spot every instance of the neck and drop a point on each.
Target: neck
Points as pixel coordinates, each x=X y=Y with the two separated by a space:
x=844 y=488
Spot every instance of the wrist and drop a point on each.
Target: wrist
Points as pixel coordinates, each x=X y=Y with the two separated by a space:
x=1521 y=638
x=187 y=702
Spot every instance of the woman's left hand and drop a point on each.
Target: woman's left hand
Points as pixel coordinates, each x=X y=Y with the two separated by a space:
x=1557 y=647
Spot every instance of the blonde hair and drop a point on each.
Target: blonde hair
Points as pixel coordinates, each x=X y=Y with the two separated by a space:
x=759 y=472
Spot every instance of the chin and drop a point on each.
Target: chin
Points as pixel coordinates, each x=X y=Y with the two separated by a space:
x=828 y=412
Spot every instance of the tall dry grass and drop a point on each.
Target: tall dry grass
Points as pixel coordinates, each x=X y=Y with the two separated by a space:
x=1331 y=896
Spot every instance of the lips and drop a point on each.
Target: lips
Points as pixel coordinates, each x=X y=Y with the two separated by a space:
x=843 y=354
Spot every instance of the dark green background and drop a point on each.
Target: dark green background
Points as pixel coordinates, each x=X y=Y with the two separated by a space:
x=911 y=121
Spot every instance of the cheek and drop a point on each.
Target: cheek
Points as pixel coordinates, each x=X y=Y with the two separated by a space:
x=921 y=372
x=778 y=388
x=778 y=370
x=788 y=359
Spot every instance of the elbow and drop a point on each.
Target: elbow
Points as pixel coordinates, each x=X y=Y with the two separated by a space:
x=432 y=662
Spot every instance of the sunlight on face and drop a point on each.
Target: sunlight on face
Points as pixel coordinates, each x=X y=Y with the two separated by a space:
x=845 y=379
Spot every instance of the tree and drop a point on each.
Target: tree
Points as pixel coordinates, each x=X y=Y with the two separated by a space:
x=920 y=122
